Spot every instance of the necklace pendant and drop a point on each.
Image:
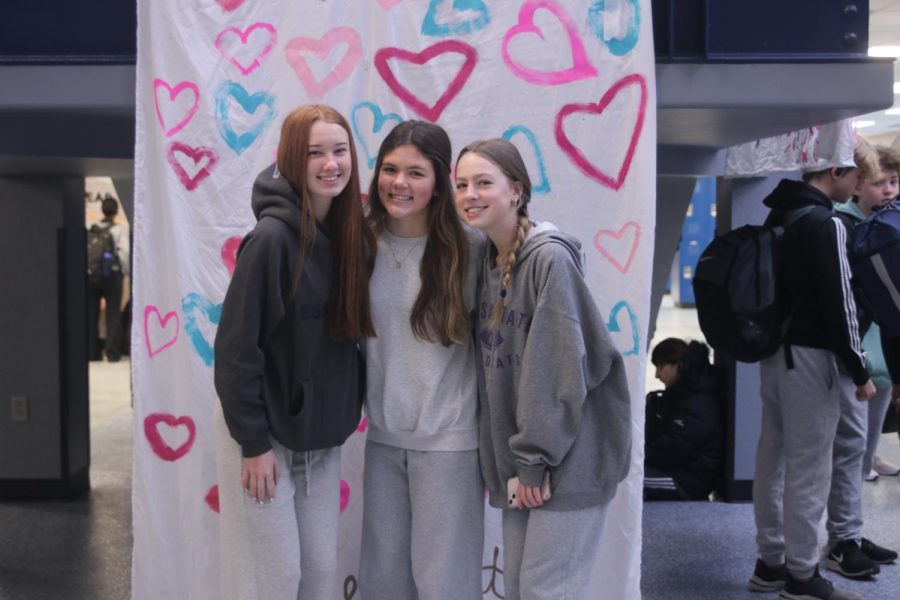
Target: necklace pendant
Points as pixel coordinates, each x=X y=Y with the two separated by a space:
x=398 y=264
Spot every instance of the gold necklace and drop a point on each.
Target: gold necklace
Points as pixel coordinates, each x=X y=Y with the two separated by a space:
x=398 y=262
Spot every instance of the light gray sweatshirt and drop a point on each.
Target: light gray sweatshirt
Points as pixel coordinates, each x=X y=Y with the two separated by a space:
x=420 y=395
x=552 y=386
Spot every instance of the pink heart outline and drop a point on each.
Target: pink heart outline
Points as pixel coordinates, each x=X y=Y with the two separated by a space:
x=322 y=47
x=195 y=154
x=148 y=310
x=212 y=498
x=229 y=5
x=244 y=35
x=576 y=156
x=598 y=244
x=432 y=113
x=345 y=495
x=159 y=445
x=173 y=93
x=581 y=67
x=388 y=4
x=229 y=252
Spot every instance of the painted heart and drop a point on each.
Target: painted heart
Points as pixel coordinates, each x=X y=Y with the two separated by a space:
x=247 y=53
x=173 y=107
x=229 y=252
x=363 y=425
x=212 y=498
x=619 y=27
x=345 y=495
x=229 y=91
x=379 y=120
x=581 y=67
x=321 y=48
x=388 y=4
x=576 y=156
x=460 y=22
x=433 y=112
x=230 y=5
x=618 y=245
x=192 y=304
x=202 y=160
x=157 y=335
x=614 y=326
x=159 y=446
x=543 y=184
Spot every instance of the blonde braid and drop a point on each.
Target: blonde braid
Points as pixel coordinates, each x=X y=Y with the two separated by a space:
x=522 y=227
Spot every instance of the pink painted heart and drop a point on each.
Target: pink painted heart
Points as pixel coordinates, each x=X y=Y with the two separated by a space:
x=174 y=106
x=157 y=335
x=212 y=498
x=388 y=4
x=615 y=177
x=581 y=67
x=159 y=446
x=202 y=160
x=230 y=5
x=619 y=247
x=345 y=495
x=246 y=56
x=363 y=425
x=433 y=112
x=229 y=252
x=321 y=48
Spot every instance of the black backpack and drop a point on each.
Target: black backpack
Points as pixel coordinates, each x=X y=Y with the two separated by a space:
x=737 y=288
x=102 y=258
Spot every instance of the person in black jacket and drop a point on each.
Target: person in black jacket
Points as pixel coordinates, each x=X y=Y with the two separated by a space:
x=287 y=364
x=683 y=448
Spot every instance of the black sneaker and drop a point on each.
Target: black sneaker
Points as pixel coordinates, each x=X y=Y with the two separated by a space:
x=816 y=588
x=876 y=553
x=847 y=558
x=766 y=578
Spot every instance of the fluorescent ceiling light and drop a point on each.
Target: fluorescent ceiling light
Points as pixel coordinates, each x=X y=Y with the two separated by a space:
x=862 y=124
x=885 y=51
x=892 y=111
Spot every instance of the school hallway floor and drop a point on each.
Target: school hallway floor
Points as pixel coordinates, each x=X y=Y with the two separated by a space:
x=82 y=549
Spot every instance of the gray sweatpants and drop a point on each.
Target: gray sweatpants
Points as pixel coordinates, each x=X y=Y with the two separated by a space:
x=801 y=408
x=878 y=406
x=286 y=549
x=845 y=510
x=423 y=525
x=549 y=554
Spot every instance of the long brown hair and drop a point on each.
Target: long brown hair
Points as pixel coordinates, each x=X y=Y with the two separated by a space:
x=505 y=156
x=439 y=312
x=349 y=314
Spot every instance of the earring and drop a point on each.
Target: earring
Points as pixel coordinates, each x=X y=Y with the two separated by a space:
x=514 y=202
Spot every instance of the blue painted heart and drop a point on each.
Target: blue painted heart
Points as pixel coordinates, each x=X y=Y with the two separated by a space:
x=543 y=184
x=614 y=326
x=467 y=16
x=378 y=123
x=194 y=305
x=232 y=91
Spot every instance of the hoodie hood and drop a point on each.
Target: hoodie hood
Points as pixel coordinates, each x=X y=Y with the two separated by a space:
x=273 y=196
x=791 y=194
x=547 y=233
x=851 y=208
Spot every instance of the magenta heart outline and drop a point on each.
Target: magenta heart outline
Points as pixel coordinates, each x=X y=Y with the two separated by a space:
x=150 y=309
x=229 y=5
x=321 y=47
x=245 y=35
x=159 y=445
x=598 y=244
x=576 y=156
x=173 y=93
x=581 y=66
x=432 y=113
x=195 y=154
x=229 y=252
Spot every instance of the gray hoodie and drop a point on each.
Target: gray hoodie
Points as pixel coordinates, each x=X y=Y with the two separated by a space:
x=552 y=386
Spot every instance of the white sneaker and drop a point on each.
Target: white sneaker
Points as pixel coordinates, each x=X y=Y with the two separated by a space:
x=871 y=476
x=884 y=468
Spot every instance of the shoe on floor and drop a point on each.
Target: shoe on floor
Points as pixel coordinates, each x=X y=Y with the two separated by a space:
x=884 y=468
x=847 y=558
x=816 y=588
x=876 y=553
x=872 y=475
x=766 y=578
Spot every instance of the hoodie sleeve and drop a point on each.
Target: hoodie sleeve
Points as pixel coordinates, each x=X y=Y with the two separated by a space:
x=693 y=421
x=253 y=306
x=836 y=297
x=558 y=368
x=891 y=348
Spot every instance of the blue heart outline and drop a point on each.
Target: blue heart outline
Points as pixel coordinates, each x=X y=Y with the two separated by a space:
x=189 y=306
x=380 y=120
x=431 y=27
x=616 y=47
x=543 y=186
x=613 y=326
x=232 y=89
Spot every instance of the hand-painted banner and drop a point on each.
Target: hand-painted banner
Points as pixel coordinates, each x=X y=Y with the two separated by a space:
x=570 y=84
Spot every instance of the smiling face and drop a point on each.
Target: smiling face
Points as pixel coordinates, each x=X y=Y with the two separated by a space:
x=874 y=195
x=406 y=186
x=328 y=164
x=485 y=195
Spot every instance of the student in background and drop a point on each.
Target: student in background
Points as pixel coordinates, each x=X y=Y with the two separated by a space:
x=109 y=253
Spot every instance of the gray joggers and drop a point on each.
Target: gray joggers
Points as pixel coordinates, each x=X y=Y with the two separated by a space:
x=423 y=525
x=286 y=549
x=845 y=512
x=878 y=406
x=549 y=554
x=801 y=408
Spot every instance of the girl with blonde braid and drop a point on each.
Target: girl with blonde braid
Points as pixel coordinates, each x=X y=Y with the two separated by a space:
x=555 y=419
